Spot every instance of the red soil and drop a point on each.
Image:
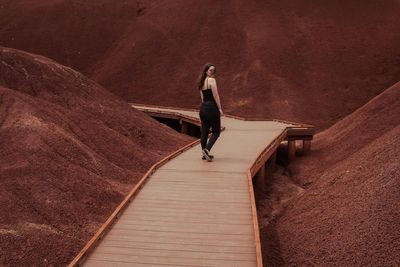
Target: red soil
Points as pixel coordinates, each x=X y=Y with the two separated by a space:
x=307 y=61
x=340 y=205
x=70 y=151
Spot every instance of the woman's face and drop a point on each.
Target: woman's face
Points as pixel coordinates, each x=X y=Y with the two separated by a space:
x=211 y=71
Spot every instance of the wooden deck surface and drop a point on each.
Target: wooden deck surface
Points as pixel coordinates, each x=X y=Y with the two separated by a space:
x=192 y=212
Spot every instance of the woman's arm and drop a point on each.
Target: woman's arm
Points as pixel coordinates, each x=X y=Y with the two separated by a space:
x=214 y=90
x=201 y=96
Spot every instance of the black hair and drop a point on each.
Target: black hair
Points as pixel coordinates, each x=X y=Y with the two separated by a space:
x=203 y=75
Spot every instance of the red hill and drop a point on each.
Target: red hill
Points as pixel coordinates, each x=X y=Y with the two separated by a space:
x=309 y=61
x=341 y=204
x=70 y=151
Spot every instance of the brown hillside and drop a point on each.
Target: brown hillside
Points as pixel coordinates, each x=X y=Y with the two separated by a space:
x=340 y=206
x=309 y=61
x=70 y=151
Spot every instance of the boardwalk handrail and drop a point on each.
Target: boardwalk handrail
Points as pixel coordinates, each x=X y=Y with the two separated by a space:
x=264 y=153
x=267 y=152
x=228 y=115
x=180 y=116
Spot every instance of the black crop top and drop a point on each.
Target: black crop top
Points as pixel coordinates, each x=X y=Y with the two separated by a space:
x=207 y=94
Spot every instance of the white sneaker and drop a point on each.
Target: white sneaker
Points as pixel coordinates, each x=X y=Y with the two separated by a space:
x=204 y=158
x=206 y=154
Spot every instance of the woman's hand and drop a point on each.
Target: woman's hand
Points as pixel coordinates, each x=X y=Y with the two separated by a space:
x=220 y=111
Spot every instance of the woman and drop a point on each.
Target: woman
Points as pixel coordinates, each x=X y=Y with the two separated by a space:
x=210 y=109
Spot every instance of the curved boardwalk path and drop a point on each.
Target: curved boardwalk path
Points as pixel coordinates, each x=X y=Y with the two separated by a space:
x=192 y=212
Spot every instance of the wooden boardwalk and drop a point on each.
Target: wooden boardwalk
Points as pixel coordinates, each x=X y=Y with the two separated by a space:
x=192 y=212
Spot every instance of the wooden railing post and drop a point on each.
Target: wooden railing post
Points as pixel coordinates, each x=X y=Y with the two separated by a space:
x=291 y=150
x=306 y=147
x=192 y=130
x=270 y=166
x=272 y=161
x=185 y=127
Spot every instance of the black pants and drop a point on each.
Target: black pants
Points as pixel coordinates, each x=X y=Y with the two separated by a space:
x=210 y=117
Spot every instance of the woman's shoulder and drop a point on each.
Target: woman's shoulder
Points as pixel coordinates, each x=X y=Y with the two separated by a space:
x=209 y=81
x=212 y=80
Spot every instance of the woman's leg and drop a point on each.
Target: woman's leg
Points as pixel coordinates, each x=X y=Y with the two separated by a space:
x=205 y=129
x=216 y=130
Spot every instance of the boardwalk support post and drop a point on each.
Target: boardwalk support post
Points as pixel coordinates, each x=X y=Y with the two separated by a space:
x=270 y=166
x=272 y=161
x=291 y=150
x=306 y=147
x=185 y=127
x=192 y=130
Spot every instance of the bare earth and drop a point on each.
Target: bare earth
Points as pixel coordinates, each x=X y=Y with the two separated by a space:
x=340 y=205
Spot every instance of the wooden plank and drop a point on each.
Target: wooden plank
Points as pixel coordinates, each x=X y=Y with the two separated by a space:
x=209 y=208
x=217 y=218
x=187 y=215
x=186 y=228
x=301 y=132
x=167 y=198
x=125 y=252
x=179 y=246
x=199 y=188
x=197 y=197
x=197 y=193
x=205 y=180
x=162 y=262
x=173 y=221
x=197 y=174
x=102 y=263
x=169 y=210
x=175 y=258
x=118 y=233
x=191 y=203
x=141 y=237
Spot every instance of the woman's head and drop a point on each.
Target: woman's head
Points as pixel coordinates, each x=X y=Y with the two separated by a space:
x=208 y=70
x=211 y=70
